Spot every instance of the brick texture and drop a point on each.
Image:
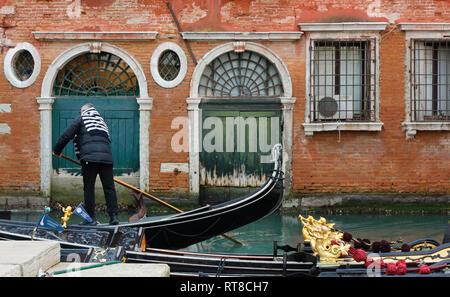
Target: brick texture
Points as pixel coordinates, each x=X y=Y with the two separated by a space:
x=356 y=162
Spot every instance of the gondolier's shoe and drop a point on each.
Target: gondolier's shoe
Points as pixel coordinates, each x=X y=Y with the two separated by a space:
x=113 y=220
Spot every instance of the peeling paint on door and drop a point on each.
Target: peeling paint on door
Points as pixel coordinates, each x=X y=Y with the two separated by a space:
x=236 y=146
x=238 y=178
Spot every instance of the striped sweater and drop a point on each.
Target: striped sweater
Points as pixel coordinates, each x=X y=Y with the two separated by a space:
x=94 y=123
x=90 y=136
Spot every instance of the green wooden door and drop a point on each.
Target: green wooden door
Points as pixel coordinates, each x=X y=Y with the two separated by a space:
x=121 y=114
x=237 y=139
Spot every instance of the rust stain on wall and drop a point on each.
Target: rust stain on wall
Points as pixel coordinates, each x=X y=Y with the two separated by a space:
x=97 y=3
x=247 y=15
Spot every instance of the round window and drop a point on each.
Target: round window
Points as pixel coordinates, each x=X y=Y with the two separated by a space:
x=168 y=65
x=22 y=65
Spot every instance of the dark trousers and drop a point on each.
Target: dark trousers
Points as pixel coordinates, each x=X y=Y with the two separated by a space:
x=89 y=171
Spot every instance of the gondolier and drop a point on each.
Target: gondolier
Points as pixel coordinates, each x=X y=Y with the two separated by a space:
x=93 y=148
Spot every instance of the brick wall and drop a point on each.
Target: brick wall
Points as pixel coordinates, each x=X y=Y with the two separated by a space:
x=356 y=162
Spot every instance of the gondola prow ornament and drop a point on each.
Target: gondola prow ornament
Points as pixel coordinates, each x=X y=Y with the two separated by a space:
x=325 y=241
x=67 y=213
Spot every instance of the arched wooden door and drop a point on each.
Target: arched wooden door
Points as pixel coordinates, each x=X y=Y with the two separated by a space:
x=108 y=82
x=241 y=122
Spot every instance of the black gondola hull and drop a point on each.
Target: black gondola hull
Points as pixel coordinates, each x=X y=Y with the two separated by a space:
x=186 y=231
x=186 y=228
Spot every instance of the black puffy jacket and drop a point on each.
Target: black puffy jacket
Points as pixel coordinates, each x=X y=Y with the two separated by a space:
x=90 y=136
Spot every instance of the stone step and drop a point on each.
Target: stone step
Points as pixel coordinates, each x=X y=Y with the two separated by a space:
x=25 y=258
x=29 y=258
x=112 y=270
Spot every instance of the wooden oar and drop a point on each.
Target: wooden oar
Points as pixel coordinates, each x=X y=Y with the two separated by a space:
x=146 y=195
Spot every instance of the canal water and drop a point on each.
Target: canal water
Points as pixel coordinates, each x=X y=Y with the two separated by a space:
x=258 y=236
x=286 y=229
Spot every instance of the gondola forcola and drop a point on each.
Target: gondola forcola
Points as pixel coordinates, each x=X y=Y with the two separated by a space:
x=179 y=230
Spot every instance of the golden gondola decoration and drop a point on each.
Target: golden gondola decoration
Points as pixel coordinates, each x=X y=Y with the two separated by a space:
x=325 y=242
x=67 y=213
x=339 y=249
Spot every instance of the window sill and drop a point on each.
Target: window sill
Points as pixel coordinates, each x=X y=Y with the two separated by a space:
x=411 y=128
x=310 y=128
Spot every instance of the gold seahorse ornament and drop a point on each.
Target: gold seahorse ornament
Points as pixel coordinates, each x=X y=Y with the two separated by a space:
x=325 y=242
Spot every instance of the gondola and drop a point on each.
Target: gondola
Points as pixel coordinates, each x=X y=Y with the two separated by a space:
x=436 y=261
x=183 y=229
x=124 y=245
x=290 y=263
x=340 y=255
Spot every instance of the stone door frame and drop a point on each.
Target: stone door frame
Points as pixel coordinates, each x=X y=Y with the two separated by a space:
x=194 y=112
x=45 y=102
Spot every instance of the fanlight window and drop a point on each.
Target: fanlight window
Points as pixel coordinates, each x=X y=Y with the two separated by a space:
x=101 y=74
x=246 y=74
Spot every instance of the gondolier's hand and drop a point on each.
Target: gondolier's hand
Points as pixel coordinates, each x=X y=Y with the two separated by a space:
x=57 y=154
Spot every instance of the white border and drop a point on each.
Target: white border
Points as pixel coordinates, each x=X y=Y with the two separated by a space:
x=154 y=64
x=8 y=68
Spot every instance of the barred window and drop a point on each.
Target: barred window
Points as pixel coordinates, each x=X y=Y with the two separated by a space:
x=430 y=80
x=342 y=86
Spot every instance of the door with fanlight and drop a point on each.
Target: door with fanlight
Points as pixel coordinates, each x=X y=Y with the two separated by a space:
x=240 y=123
x=108 y=82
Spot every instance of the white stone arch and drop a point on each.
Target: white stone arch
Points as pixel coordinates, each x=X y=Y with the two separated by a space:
x=46 y=100
x=194 y=115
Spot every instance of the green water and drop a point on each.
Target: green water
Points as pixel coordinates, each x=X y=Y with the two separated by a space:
x=258 y=236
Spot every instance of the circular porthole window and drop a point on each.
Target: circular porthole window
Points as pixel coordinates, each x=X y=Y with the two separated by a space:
x=22 y=65
x=168 y=65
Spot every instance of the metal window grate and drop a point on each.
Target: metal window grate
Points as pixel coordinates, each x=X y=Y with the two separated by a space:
x=246 y=74
x=23 y=65
x=430 y=80
x=342 y=85
x=101 y=74
x=169 y=65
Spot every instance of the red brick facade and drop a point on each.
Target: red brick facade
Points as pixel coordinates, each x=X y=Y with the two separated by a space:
x=328 y=162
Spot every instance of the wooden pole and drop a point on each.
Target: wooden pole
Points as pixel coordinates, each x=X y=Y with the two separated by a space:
x=147 y=195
